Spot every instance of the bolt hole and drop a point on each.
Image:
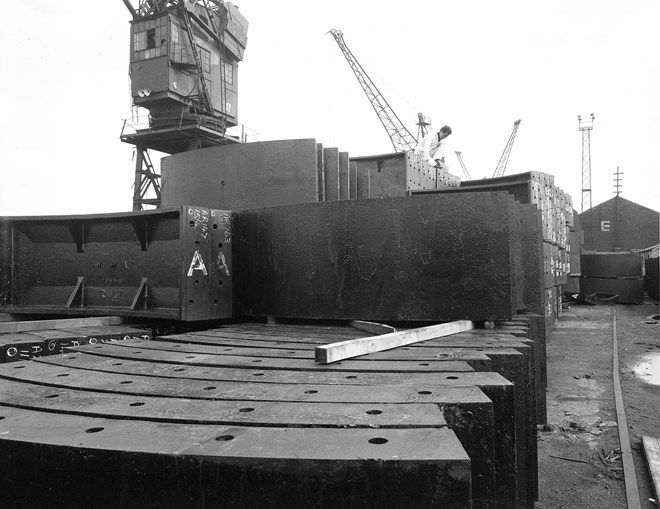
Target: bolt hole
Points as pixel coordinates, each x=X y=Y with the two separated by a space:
x=209 y=388
x=52 y=396
x=374 y=412
x=424 y=393
x=137 y=403
x=179 y=369
x=224 y=438
x=351 y=376
x=63 y=374
x=452 y=378
x=312 y=391
x=257 y=374
x=257 y=360
x=126 y=382
x=94 y=430
x=424 y=364
x=118 y=363
x=378 y=441
x=19 y=367
x=246 y=410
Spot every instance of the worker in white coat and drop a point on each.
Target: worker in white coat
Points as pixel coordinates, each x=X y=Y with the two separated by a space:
x=431 y=147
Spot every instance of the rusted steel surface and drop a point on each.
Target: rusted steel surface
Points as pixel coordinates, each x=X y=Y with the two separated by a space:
x=437 y=257
x=169 y=263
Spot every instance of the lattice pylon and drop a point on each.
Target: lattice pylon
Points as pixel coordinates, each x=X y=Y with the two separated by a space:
x=586 y=126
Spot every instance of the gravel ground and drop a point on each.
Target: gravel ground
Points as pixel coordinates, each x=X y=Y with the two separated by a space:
x=579 y=451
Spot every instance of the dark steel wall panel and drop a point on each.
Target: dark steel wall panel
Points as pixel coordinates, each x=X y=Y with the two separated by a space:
x=170 y=263
x=331 y=171
x=630 y=291
x=611 y=265
x=439 y=257
x=247 y=175
x=344 y=183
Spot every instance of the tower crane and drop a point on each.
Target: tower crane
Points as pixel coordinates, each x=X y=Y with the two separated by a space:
x=402 y=139
x=504 y=158
x=460 y=160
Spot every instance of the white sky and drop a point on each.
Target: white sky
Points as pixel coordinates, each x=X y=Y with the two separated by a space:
x=476 y=65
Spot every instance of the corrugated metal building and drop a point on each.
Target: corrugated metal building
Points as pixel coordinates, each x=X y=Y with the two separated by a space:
x=619 y=225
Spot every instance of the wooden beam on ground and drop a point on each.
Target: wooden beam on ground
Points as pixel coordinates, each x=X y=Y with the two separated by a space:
x=334 y=352
x=34 y=325
x=652 y=453
x=372 y=327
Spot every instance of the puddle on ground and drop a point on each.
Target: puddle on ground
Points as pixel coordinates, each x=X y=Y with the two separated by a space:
x=649 y=369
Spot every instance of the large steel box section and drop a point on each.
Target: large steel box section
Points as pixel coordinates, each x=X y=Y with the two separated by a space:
x=169 y=263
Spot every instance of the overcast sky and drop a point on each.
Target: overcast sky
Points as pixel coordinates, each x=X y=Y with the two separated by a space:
x=477 y=65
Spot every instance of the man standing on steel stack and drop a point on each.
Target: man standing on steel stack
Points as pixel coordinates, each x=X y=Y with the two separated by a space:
x=431 y=147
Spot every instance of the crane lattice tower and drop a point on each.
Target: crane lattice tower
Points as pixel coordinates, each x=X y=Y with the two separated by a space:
x=586 y=125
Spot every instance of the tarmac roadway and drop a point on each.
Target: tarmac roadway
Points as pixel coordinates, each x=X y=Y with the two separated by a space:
x=580 y=464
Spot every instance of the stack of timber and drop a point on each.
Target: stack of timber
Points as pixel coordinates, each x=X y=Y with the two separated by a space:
x=557 y=218
x=614 y=273
x=242 y=416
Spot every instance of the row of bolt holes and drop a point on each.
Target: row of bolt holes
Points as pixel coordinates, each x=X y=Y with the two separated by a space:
x=220 y=281
x=227 y=438
x=220 y=438
x=375 y=441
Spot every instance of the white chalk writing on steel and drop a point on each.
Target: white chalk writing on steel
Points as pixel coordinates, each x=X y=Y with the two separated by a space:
x=197 y=263
x=200 y=220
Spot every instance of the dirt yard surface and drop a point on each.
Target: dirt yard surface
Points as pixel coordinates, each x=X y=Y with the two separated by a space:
x=579 y=450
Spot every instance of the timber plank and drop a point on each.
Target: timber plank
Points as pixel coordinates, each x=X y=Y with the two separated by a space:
x=351 y=348
x=36 y=325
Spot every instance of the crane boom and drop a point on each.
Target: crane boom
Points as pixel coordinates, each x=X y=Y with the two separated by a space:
x=460 y=160
x=504 y=158
x=401 y=138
